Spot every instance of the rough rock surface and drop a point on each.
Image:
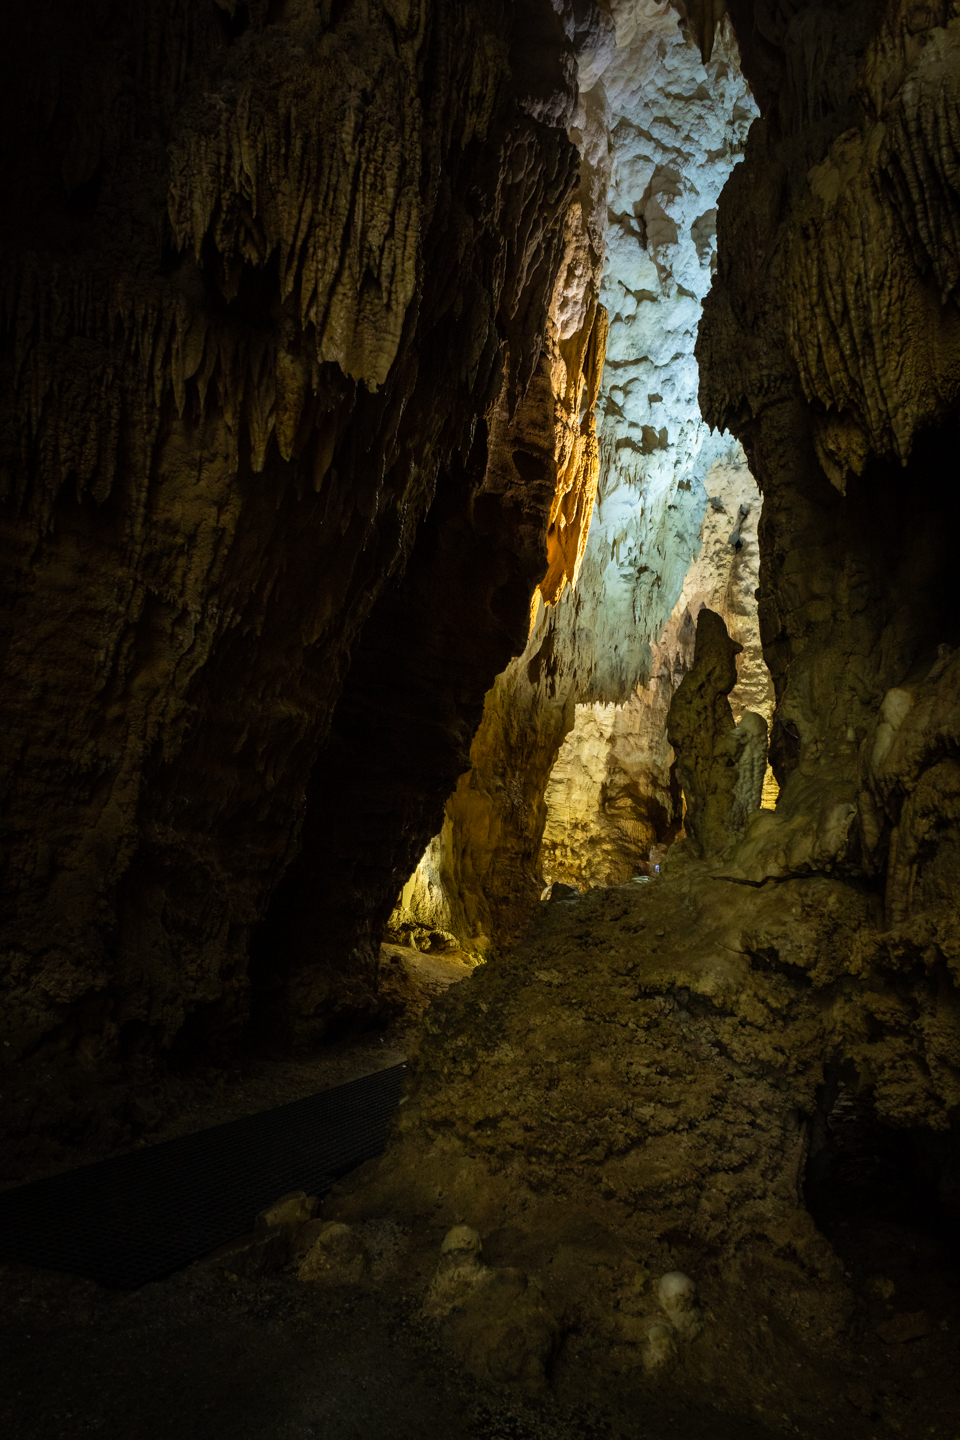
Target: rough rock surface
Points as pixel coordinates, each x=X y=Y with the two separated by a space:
x=265 y=270
x=657 y=1064
x=720 y=763
x=631 y=1091
x=813 y=351
x=495 y=1321
x=612 y=799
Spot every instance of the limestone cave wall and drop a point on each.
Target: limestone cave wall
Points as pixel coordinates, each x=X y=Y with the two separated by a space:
x=827 y=347
x=268 y=272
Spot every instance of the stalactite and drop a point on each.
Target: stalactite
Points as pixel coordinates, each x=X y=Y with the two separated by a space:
x=876 y=348
x=706 y=17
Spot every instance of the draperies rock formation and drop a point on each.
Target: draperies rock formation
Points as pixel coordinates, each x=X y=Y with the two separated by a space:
x=659 y=132
x=655 y=1060
x=267 y=273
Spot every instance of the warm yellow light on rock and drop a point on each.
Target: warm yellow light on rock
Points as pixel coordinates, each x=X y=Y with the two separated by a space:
x=579 y=455
x=535 y=601
x=771 y=790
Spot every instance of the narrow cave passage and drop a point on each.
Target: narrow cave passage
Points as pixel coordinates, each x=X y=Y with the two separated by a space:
x=612 y=804
x=571 y=774
x=478 y=496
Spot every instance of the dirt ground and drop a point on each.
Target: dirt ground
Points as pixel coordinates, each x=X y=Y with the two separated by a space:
x=209 y=1354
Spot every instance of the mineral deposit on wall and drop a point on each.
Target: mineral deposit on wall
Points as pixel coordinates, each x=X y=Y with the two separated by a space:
x=266 y=270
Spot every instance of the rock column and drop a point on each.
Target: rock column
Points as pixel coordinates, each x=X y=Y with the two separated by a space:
x=720 y=764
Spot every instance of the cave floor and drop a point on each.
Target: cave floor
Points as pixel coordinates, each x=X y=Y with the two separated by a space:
x=208 y=1353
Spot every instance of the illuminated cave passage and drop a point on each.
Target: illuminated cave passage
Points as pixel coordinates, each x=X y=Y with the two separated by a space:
x=457 y=451
x=612 y=803
x=673 y=526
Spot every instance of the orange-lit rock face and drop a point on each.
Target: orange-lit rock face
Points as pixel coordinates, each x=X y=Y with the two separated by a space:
x=576 y=372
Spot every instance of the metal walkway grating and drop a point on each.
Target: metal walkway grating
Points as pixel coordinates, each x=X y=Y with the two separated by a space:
x=140 y=1216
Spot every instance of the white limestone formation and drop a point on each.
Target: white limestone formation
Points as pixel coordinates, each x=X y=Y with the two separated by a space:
x=675 y=129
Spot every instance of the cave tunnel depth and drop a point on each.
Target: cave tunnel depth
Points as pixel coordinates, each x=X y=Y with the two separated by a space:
x=480 y=943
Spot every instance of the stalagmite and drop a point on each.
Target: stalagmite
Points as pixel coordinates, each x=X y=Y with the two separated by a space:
x=720 y=763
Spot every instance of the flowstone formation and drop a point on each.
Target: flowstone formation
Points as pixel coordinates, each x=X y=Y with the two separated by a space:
x=659 y=131
x=631 y=1091
x=268 y=271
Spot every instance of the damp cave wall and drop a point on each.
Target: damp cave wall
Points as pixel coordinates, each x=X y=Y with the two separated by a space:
x=829 y=348
x=267 y=270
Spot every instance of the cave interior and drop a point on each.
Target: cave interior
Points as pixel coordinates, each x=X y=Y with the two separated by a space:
x=479 y=498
